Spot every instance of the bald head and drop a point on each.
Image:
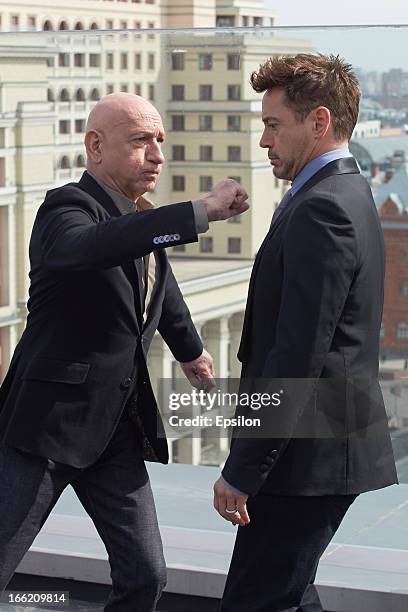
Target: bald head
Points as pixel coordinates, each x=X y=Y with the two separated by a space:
x=123 y=138
x=117 y=108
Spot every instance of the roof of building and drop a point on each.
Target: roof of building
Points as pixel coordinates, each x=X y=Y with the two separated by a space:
x=381 y=147
x=396 y=189
x=190 y=268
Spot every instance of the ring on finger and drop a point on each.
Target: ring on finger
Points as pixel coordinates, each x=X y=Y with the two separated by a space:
x=230 y=511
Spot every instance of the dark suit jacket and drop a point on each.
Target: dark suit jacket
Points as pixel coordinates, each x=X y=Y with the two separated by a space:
x=83 y=352
x=314 y=312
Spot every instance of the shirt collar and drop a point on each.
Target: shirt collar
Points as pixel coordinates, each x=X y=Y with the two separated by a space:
x=317 y=164
x=122 y=203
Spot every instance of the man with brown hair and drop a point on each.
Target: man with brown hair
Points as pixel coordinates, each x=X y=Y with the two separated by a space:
x=313 y=314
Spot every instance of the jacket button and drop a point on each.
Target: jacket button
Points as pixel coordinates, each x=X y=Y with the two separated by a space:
x=273 y=453
x=127 y=382
x=264 y=467
x=269 y=460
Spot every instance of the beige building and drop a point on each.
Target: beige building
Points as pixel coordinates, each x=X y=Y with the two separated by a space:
x=52 y=72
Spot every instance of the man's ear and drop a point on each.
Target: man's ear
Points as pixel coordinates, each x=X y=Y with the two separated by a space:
x=93 y=146
x=322 y=121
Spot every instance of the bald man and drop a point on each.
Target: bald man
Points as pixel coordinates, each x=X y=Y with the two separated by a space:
x=76 y=406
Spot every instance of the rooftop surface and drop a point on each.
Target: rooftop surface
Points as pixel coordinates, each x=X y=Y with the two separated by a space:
x=365 y=566
x=191 y=268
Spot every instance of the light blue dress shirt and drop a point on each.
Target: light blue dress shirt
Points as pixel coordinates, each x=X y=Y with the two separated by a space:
x=315 y=165
x=304 y=175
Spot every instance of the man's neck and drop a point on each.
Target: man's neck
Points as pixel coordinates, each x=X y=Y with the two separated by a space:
x=111 y=185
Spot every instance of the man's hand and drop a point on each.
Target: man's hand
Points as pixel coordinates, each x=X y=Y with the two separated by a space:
x=226 y=200
x=200 y=371
x=225 y=498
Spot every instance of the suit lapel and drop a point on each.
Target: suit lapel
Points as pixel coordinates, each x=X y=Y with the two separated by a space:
x=346 y=165
x=133 y=270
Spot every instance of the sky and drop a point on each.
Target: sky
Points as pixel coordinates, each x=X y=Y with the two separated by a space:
x=371 y=49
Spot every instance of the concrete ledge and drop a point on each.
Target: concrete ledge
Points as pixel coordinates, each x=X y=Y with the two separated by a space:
x=366 y=568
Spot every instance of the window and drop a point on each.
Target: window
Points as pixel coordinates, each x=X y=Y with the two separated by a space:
x=178 y=152
x=236 y=178
x=179 y=183
x=180 y=248
x=236 y=219
x=402 y=331
x=151 y=92
x=151 y=61
x=205 y=123
x=177 y=61
x=234 y=154
x=109 y=88
x=178 y=123
x=233 y=61
x=234 y=123
x=47 y=26
x=95 y=94
x=63 y=60
x=94 y=26
x=234 y=92
x=205 y=92
x=109 y=24
x=404 y=289
x=123 y=25
x=64 y=163
x=64 y=95
x=205 y=61
x=225 y=21
x=79 y=126
x=206 y=183
x=138 y=61
x=4 y=248
x=257 y=21
x=234 y=245
x=123 y=61
x=124 y=87
x=50 y=95
x=245 y=21
x=150 y=25
x=177 y=92
x=64 y=126
x=206 y=244
x=110 y=61
x=94 y=60
x=138 y=89
x=382 y=330
x=206 y=153
x=80 y=95
x=32 y=22
x=79 y=60
x=15 y=22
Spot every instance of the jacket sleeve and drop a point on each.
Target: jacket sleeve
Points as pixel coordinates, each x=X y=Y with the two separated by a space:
x=72 y=238
x=320 y=259
x=176 y=325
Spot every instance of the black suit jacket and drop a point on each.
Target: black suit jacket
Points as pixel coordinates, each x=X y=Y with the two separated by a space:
x=83 y=352
x=314 y=313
